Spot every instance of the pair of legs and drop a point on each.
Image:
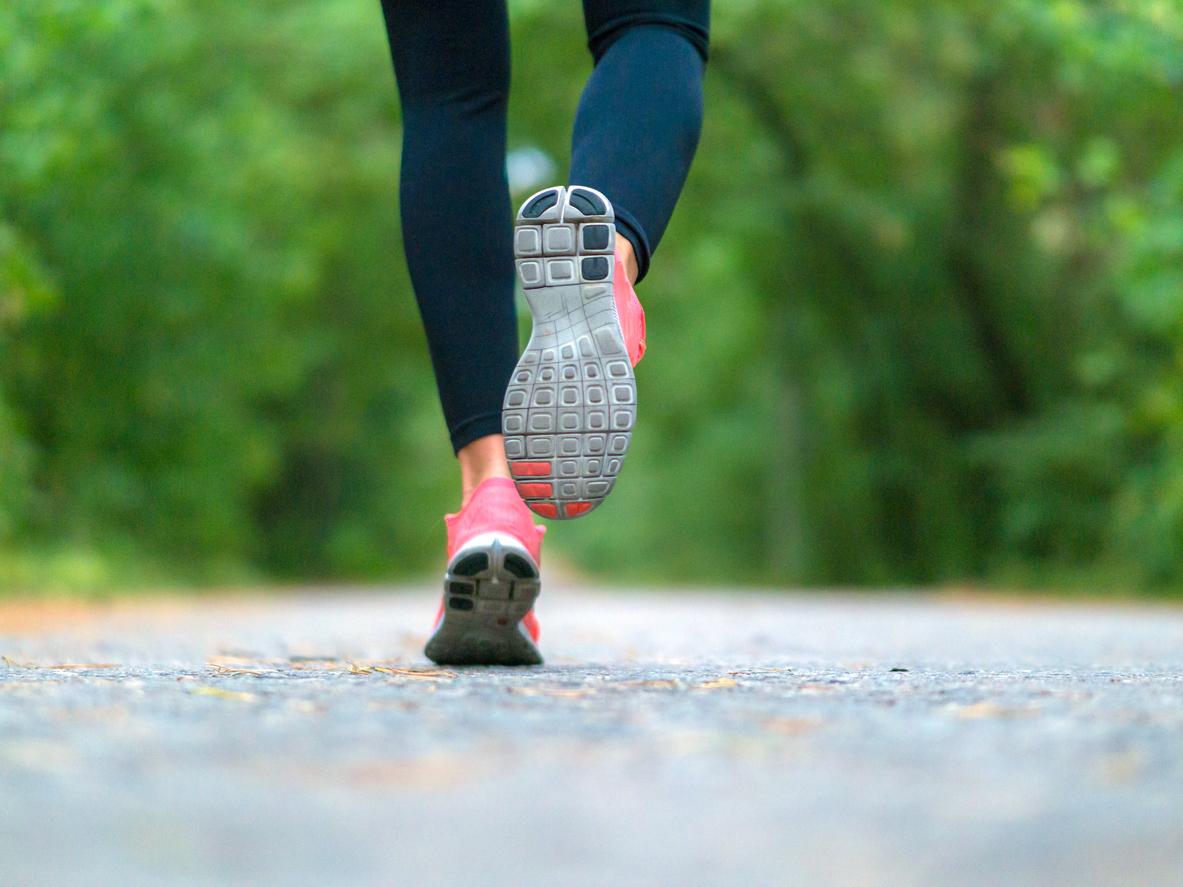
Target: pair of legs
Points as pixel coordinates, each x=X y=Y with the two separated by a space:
x=636 y=130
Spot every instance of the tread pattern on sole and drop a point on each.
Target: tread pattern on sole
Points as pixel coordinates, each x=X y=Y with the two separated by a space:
x=490 y=584
x=571 y=403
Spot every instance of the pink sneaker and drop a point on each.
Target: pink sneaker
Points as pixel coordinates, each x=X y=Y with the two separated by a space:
x=572 y=400
x=492 y=581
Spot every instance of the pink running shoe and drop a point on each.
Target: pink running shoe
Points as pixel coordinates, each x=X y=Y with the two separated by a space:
x=572 y=400
x=493 y=578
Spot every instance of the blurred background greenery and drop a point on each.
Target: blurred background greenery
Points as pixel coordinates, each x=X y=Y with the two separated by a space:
x=918 y=319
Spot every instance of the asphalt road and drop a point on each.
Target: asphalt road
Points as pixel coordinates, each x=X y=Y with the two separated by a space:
x=673 y=738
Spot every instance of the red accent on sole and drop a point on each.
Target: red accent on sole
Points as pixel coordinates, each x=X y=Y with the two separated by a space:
x=535 y=491
x=574 y=509
x=530 y=469
x=546 y=509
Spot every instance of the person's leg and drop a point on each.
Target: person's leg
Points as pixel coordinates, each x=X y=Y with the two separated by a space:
x=639 y=119
x=571 y=404
x=451 y=59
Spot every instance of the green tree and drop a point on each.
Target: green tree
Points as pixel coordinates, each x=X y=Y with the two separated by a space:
x=918 y=318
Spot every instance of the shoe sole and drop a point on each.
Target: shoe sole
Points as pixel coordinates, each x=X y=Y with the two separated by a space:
x=490 y=584
x=571 y=403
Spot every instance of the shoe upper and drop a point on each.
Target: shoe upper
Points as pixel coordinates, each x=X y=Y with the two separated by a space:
x=496 y=507
x=630 y=313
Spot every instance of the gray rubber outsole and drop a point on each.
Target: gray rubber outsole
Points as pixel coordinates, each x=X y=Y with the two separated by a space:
x=490 y=584
x=571 y=403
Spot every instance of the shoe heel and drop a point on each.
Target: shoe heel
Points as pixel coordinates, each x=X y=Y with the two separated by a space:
x=489 y=586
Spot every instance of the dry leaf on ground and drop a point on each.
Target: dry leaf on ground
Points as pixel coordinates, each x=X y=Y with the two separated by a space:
x=423 y=674
x=254 y=672
x=60 y=666
x=661 y=684
x=79 y=666
x=559 y=692
x=716 y=684
x=219 y=693
x=317 y=665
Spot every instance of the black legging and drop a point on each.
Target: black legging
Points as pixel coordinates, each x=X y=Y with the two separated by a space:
x=635 y=133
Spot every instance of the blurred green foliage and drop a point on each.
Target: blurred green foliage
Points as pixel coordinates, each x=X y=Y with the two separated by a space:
x=919 y=317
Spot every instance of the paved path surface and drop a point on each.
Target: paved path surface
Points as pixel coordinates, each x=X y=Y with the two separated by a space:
x=673 y=738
